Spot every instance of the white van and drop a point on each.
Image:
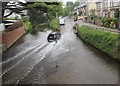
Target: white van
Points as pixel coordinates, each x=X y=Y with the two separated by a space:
x=61 y=21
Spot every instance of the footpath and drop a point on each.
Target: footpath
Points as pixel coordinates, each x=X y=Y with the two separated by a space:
x=80 y=22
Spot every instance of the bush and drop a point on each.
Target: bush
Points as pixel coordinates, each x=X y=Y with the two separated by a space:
x=14 y=26
x=28 y=26
x=107 y=42
x=25 y=18
x=108 y=22
x=114 y=20
x=54 y=25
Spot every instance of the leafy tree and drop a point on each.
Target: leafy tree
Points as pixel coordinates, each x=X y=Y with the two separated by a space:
x=76 y=3
x=69 y=7
x=43 y=12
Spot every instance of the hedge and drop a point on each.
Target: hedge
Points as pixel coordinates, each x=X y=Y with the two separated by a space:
x=107 y=42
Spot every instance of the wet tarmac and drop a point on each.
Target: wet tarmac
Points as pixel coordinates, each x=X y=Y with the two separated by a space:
x=69 y=61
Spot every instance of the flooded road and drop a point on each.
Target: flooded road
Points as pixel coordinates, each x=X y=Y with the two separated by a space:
x=69 y=61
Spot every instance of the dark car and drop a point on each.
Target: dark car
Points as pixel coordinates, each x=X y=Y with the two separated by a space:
x=75 y=19
x=53 y=36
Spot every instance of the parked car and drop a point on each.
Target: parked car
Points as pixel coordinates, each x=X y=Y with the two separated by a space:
x=80 y=17
x=53 y=36
x=75 y=19
x=61 y=21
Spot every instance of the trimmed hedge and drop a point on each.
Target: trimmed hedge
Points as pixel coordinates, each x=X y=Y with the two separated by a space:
x=107 y=42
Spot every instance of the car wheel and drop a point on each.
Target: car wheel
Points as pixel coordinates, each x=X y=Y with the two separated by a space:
x=48 y=40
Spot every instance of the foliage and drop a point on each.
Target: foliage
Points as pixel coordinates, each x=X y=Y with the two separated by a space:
x=28 y=26
x=36 y=17
x=76 y=3
x=69 y=8
x=108 y=20
x=14 y=26
x=70 y=5
x=107 y=42
x=42 y=12
x=114 y=20
x=65 y=11
x=54 y=25
x=25 y=18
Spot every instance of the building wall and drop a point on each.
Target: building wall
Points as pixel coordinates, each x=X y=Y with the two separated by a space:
x=91 y=5
x=106 y=6
x=10 y=37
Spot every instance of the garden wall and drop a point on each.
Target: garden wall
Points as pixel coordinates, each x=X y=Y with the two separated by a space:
x=8 y=38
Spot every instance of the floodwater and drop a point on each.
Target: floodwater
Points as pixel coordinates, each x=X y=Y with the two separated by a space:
x=33 y=60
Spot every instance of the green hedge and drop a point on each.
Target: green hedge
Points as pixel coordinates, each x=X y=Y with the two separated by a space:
x=107 y=42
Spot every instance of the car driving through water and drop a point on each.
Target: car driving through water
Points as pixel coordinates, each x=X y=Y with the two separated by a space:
x=61 y=21
x=54 y=36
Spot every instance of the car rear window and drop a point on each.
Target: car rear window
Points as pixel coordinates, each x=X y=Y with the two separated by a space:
x=51 y=34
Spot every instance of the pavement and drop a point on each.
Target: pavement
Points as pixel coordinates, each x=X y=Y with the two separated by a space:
x=99 y=27
x=33 y=60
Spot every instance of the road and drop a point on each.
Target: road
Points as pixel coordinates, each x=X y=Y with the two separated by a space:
x=69 y=61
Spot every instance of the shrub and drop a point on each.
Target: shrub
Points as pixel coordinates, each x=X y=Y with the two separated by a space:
x=28 y=26
x=114 y=20
x=54 y=24
x=14 y=26
x=108 y=22
x=107 y=42
x=25 y=18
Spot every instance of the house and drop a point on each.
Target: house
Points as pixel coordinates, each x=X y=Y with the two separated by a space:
x=91 y=6
x=106 y=8
x=10 y=32
x=86 y=6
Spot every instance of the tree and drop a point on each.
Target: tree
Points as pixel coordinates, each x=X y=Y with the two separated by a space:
x=76 y=3
x=43 y=12
x=69 y=7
